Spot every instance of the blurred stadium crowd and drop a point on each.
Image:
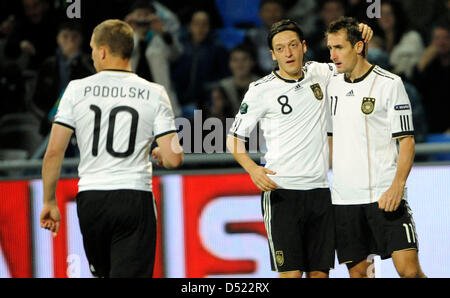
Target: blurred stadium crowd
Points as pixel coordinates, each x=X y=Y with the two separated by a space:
x=206 y=53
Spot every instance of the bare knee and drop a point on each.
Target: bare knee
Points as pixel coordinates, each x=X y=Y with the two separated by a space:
x=411 y=272
x=361 y=270
x=291 y=274
x=317 y=274
x=407 y=264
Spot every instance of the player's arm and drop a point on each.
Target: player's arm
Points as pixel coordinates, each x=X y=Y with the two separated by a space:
x=51 y=167
x=391 y=199
x=169 y=151
x=402 y=128
x=257 y=173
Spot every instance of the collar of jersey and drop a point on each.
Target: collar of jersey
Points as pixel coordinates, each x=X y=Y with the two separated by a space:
x=360 y=79
x=288 y=80
x=119 y=70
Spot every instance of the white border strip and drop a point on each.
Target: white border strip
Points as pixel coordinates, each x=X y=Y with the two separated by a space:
x=173 y=226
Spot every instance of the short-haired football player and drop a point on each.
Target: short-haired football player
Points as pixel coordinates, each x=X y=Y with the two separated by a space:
x=370 y=111
x=115 y=116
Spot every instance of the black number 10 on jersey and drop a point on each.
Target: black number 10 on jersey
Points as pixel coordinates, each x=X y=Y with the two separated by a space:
x=111 y=128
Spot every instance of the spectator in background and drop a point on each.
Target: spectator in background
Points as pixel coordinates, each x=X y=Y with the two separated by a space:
x=418 y=112
x=227 y=96
x=184 y=12
x=403 y=45
x=270 y=11
x=34 y=34
x=7 y=27
x=12 y=89
x=432 y=76
x=201 y=64
x=423 y=13
x=329 y=11
x=303 y=12
x=69 y=63
x=154 y=48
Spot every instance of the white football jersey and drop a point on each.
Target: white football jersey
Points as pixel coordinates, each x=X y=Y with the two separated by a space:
x=367 y=117
x=115 y=115
x=293 y=117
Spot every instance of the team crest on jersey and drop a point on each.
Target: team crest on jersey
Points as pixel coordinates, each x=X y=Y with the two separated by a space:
x=317 y=91
x=244 y=108
x=279 y=257
x=368 y=105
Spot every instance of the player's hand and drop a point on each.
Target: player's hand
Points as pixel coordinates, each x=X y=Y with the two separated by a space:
x=366 y=32
x=156 y=154
x=391 y=199
x=50 y=218
x=259 y=177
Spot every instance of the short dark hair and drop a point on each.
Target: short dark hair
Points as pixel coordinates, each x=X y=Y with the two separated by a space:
x=281 y=26
x=117 y=35
x=244 y=48
x=351 y=26
x=264 y=2
x=71 y=26
x=443 y=23
x=143 y=4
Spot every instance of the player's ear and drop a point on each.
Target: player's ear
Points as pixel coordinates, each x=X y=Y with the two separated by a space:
x=359 y=47
x=305 y=48
x=102 y=52
x=273 y=55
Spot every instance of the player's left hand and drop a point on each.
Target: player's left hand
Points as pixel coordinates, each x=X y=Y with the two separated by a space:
x=391 y=199
x=366 y=32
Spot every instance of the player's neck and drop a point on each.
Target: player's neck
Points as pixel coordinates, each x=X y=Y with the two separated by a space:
x=360 y=69
x=117 y=64
x=288 y=76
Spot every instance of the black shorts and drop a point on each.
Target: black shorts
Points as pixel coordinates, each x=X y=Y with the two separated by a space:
x=362 y=230
x=119 y=232
x=300 y=229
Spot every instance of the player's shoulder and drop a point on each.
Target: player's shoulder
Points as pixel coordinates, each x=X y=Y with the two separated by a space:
x=263 y=82
x=260 y=87
x=320 y=68
x=386 y=76
x=81 y=82
x=144 y=83
x=337 y=79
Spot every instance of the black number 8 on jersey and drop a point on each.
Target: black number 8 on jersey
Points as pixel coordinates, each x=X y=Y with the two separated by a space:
x=285 y=107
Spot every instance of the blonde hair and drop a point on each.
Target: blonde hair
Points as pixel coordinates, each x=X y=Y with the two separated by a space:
x=117 y=36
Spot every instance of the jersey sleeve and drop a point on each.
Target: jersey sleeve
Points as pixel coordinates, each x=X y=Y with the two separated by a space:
x=164 y=121
x=400 y=111
x=64 y=114
x=325 y=70
x=250 y=112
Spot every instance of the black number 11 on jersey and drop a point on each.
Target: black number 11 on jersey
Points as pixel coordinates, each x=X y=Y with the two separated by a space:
x=333 y=105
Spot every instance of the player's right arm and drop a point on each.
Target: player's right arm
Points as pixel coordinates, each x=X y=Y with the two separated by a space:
x=60 y=135
x=251 y=110
x=257 y=173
